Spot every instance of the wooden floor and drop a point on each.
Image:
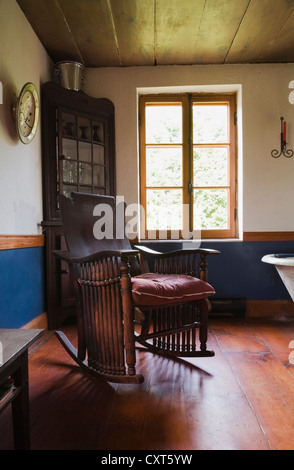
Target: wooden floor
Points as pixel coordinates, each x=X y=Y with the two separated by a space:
x=241 y=399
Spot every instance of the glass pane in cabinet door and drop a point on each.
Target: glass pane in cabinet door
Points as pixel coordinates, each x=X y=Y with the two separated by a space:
x=69 y=149
x=85 y=189
x=98 y=154
x=99 y=191
x=70 y=173
x=98 y=132
x=98 y=175
x=84 y=129
x=85 y=152
x=85 y=173
x=69 y=127
x=67 y=189
x=57 y=160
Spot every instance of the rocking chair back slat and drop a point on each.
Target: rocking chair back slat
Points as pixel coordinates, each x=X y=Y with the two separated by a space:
x=179 y=264
x=101 y=304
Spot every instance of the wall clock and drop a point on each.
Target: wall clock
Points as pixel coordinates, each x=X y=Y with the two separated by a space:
x=27 y=113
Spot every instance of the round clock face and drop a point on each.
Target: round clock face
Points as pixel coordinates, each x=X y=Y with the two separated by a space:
x=27 y=113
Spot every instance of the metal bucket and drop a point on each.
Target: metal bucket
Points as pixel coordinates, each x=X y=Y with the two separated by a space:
x=69 y=74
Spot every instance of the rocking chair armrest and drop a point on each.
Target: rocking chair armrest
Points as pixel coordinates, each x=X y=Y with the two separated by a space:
x=67 y=256
x=63 y=255
x=158 y=254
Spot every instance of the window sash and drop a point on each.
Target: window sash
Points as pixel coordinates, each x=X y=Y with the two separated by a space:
x=188 y=186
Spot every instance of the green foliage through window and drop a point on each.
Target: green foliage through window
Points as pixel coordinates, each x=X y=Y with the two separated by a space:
x=167 y=160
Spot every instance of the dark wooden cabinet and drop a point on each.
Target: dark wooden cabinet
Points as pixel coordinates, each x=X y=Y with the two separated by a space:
x=78 y=154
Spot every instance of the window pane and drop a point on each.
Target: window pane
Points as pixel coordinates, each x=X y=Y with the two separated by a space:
x=210 y=167
x=210 y=124
x=164 y=209
x=164 y=166
x=164 y=124
x=211 y=209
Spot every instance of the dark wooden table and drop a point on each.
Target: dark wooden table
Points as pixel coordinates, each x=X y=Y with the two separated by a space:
x=14 y=344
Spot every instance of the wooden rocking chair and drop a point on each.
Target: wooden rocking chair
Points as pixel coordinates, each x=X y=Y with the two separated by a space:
x=117 y=295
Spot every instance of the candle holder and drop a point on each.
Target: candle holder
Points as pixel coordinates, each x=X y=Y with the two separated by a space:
x=284 y=151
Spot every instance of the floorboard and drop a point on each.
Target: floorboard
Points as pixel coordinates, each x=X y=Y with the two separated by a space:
x=241 y=399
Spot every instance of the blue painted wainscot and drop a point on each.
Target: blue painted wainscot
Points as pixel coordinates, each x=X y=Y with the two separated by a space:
x=237 y=272
x=21 y=286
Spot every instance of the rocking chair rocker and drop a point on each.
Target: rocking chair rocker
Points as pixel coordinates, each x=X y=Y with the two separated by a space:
x=117 y=295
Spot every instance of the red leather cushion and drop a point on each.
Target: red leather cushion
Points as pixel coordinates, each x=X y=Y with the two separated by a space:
x=164 y=289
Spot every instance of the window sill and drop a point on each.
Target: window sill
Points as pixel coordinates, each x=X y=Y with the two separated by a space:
x=189 y=242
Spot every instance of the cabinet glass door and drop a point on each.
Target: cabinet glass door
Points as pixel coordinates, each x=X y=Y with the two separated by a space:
x=81 y=155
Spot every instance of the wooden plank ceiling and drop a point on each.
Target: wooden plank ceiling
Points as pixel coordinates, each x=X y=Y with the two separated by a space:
x=120 y=33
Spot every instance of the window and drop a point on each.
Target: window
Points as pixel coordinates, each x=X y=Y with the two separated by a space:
x=188 y=166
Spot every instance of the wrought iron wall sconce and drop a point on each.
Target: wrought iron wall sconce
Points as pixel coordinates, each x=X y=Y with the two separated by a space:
x=284 y=151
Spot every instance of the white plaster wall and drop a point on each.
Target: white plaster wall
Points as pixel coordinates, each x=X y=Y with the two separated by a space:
x=266 y=189
x=267 y=184
x=22 y=59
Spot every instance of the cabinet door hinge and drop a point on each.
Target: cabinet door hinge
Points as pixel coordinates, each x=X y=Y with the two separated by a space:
x=235 y=213
x=235 y=119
